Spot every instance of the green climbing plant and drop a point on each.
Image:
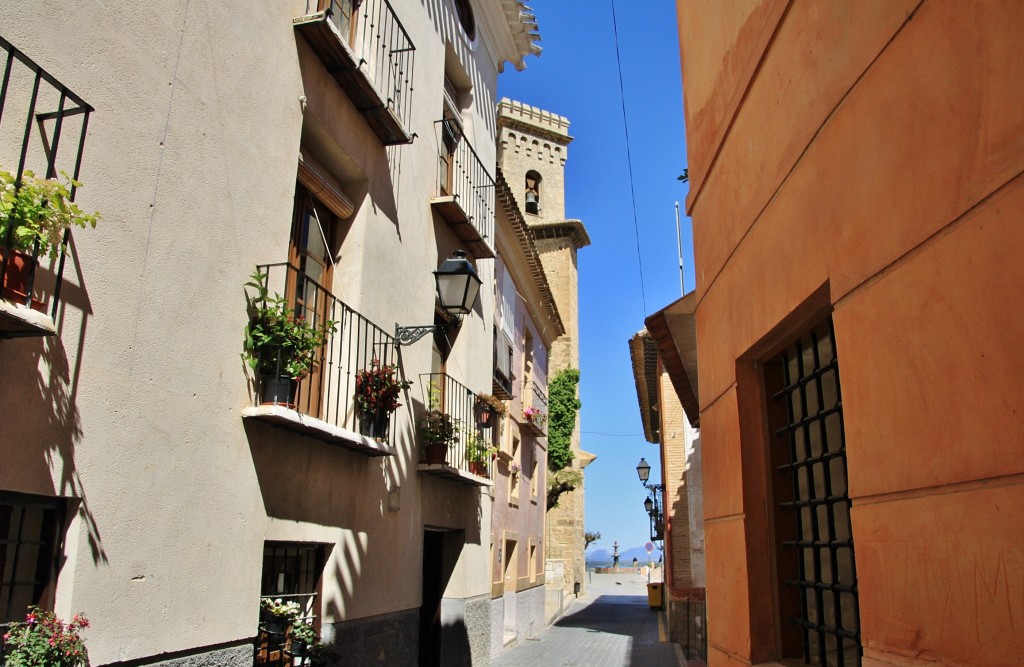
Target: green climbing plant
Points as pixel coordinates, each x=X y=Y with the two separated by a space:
x=562 y=408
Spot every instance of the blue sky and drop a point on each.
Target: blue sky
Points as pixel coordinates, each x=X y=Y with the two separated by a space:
x=629 y=271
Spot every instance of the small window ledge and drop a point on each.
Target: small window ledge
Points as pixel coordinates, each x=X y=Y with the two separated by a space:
x=17 y=321
x=453 y=473
x=315 y=428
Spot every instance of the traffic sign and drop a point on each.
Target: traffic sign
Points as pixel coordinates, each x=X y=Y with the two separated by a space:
x=649 y=547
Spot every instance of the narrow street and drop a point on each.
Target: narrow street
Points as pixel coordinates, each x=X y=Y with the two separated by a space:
x=610 y=626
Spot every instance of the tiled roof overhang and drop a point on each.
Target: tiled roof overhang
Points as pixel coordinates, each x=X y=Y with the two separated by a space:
x=674 y=329
x=643 y=352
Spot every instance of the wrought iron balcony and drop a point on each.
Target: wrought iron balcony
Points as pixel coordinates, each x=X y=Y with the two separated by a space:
x=42 y=129
x=468 y=458
x=322 y=404
x=364 y=46
x=465 y=190
x=535 y=413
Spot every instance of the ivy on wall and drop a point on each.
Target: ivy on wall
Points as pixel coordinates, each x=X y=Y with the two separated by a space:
x=562 y=408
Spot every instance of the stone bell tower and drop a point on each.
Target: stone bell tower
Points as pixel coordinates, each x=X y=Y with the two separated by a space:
x=532 y=149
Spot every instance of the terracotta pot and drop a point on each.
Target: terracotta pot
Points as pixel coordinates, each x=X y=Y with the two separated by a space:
x=20 y=269
x=478 y=468
x=436 y=453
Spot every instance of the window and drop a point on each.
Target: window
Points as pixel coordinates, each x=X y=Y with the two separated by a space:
x=533 y=560
x=534 y=481
x=343 y=15
x=816 y=570
x=533 y=192
x=30 y=539
x=465 y=11
x=514 y=473
x=291 y=572
x=451 y=135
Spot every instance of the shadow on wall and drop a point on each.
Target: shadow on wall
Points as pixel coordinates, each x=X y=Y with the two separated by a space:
x=40 y=384
x=307 y=480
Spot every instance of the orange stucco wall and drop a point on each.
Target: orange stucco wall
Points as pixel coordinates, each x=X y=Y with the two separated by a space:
x=865 y=159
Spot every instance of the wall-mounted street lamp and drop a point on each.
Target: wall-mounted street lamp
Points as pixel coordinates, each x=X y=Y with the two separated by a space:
x=653 y=502
x=458 y=286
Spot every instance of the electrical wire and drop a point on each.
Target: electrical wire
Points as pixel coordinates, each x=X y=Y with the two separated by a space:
x=629 y=162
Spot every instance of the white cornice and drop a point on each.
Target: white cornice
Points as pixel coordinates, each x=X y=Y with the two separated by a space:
x=513 y=28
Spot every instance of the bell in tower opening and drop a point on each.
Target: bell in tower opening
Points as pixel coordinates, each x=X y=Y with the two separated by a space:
x=532 y=192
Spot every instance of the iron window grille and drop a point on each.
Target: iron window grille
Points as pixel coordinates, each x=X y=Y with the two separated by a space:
x=291 y=573
x=813 y=504
x=30 y=539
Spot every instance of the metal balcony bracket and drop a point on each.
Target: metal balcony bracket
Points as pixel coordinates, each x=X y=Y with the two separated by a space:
x=409 y=335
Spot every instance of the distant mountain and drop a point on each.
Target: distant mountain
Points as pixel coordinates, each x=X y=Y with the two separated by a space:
x=626 y=556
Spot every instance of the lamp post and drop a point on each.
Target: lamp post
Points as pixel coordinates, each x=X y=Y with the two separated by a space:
x=653 y=502
x=458 y=286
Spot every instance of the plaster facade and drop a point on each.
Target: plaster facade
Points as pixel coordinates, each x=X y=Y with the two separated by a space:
x=534 y=143
x=528 y=320
x=860 y=164
x=130 y=417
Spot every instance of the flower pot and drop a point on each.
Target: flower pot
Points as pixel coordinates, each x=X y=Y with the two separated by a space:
x=277 y=390
x=478 y=468
x=375 y=426
x=436 y=453
x=20 y=269
x=272 y=623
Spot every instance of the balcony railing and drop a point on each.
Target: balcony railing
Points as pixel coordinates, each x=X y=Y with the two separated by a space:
x=42 y=129
x=465 y=190
x=456 y=400
x=327 y=394
x=367 y=50
x=535 y=399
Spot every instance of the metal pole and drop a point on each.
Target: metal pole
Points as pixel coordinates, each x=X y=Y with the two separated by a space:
x=679 y=243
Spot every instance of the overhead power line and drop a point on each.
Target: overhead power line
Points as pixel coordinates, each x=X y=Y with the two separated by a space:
x=629 y=162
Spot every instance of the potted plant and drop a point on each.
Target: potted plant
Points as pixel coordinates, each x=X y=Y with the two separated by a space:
x=478 y=451
x=535 y=416
x=377 y=393
x=43 y=639
x=35 y=213
x=486 y=407
x=303 y=640
x=276 y=615
x=438 y=431
x=280 y=346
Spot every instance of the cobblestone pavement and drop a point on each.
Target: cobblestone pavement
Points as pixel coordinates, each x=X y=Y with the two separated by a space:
x=610 y=626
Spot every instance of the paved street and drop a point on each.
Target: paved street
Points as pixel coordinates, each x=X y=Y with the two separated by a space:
x=610 y=626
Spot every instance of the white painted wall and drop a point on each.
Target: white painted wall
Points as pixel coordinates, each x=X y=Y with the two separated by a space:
x=134 y=410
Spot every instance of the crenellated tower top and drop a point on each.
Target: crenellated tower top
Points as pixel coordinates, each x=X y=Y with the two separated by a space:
x=532 y=150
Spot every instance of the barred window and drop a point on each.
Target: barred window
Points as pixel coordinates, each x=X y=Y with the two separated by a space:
x=30 y=538
x=818 y=581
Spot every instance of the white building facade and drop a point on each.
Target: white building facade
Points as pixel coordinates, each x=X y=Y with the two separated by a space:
x=342 y=151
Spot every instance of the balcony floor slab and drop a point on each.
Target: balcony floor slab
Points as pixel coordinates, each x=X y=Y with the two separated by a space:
x=283 y=417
